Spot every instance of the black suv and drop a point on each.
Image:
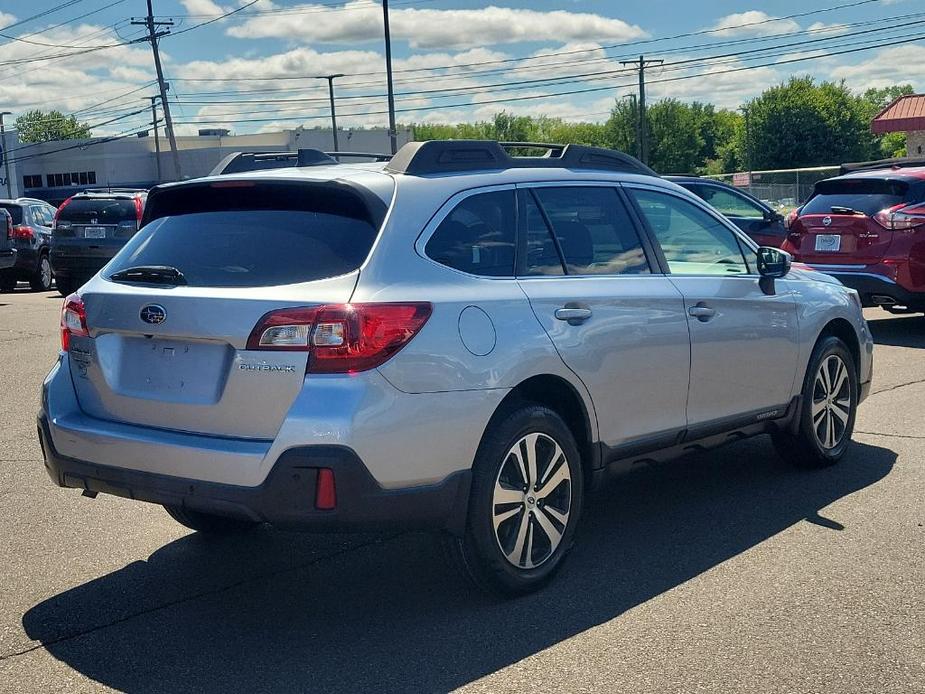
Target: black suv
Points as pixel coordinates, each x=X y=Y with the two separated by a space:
x=764 y=225
x=31 y=238
x=89 y=229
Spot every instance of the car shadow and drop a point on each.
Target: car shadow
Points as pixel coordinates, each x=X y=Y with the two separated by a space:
x=275 y=611
x=902 y=331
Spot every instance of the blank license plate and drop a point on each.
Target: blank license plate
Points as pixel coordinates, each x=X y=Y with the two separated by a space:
x=828 y=242
x=95 y=232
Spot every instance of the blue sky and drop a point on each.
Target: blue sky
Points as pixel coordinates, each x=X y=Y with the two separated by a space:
x=453 y=60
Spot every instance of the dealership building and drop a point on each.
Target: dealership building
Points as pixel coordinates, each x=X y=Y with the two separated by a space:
x=53 y=171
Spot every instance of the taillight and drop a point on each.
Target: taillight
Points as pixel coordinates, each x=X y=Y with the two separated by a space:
x=73 y=320
x=341 y=338
x=791 y=217
x=901 y=218
x=138 y=212
x=54 y=224
x=23 y=233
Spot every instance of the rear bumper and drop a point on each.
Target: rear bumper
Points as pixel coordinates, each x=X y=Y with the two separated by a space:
x=79 y=261
x=286 y=497
x=875 y=289
x=7 y=258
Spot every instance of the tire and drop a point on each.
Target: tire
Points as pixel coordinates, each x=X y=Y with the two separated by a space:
x=826 y=419
x=523 y=554
x=41 y=278
x=208 y=523
x=7 y=284
x=65 y=285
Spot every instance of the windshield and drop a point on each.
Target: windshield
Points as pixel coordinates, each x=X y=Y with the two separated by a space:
x=252 y=237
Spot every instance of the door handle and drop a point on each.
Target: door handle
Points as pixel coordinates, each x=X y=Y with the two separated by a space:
x=701 y=312
x=573 y=314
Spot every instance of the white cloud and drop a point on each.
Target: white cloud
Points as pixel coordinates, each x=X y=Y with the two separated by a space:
x=203 y=7
x=6 y=19
x=896 y=65
x=826 y=30
x=753 y=23
x=361 y=20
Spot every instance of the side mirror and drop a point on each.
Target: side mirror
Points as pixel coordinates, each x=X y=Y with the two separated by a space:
x=772 y=216
x=773 y=262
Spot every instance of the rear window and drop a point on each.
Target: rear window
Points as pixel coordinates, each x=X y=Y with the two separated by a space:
x=257 y=236
x=865 y=195
x=98 y=211
x=15 y=212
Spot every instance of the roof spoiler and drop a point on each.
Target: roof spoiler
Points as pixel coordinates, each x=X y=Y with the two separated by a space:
x=893 y=163
x=449 y=156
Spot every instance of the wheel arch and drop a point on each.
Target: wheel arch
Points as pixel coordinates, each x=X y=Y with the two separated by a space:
x=844 y=331
x=556 y=393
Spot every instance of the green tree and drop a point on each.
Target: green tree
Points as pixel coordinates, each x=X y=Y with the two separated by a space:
x=801 y=123
x=44 y=126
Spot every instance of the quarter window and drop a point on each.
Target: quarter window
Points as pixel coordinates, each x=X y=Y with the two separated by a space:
x=593 y=232
x=694 y=242
x=477 y=236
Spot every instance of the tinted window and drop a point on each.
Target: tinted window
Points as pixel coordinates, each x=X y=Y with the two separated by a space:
x=864 y=195
x=253 y=237
x=85 y=210
x=477 y=236
x=594 y=231
x=542 y=258
x=15 y=212
x=694 y=243
x=730 y=203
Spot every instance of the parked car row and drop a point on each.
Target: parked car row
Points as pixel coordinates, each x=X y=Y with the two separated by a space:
x=67 y=245
x=458 y=339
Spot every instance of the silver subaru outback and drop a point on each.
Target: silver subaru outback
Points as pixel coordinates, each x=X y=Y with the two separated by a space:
x=458 y=339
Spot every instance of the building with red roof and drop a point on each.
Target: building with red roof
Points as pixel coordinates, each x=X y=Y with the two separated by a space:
x=905 y=115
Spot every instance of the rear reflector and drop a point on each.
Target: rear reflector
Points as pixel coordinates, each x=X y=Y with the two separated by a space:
x=325 y=491
x=341 y=338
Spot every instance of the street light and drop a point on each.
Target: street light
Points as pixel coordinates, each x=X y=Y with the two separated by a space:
x=6 y=158
x=330 y=79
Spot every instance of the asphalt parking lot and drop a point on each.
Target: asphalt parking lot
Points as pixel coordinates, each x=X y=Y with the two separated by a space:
x=724 y=572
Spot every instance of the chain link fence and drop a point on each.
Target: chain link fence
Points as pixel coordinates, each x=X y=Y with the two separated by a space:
x=782 y=189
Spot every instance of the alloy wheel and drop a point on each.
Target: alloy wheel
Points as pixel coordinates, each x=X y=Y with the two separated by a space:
x=831 y=406
x=45 y=273
x=532 y=500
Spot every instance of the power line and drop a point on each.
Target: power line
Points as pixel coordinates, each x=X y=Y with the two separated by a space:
x=892 y=42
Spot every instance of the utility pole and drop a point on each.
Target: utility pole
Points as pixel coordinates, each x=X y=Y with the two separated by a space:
x=157 y=139
x=393 y=134
x=330 y=79
x=153 y=36
x=642 y=144
x=6 y=155
x=748 y=146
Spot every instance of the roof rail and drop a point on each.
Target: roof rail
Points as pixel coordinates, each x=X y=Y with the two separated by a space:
x=894 y=163
x=377 y=156
x=237 y=162
x=451 y=156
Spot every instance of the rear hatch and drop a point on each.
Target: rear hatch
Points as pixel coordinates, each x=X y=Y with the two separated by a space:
x=168 y=348
x=99 y=218
x=839 y=224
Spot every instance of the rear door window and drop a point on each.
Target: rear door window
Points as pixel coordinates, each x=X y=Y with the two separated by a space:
x=15 y=212
x=592 y=230
x=477 y=237
x=256 y=236
x=98 y=211
x=865 y=195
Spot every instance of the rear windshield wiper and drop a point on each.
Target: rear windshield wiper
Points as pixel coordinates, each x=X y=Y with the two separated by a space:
x=841 y=209
x=151 y=274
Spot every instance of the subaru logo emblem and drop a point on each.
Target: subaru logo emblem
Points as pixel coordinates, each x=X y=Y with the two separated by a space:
x=826 y=220
x=153 y=314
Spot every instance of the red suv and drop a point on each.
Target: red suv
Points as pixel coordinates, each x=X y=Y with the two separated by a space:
x=867 y=228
